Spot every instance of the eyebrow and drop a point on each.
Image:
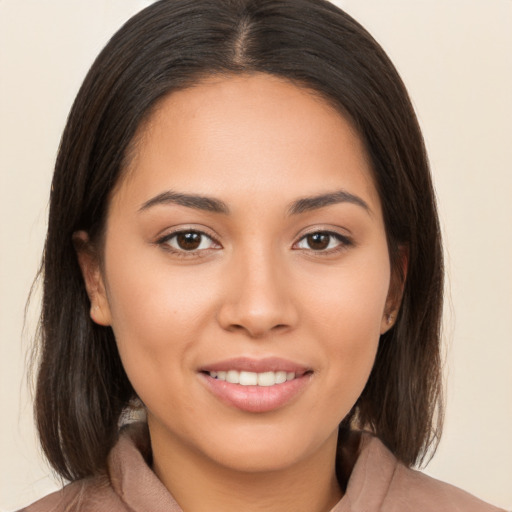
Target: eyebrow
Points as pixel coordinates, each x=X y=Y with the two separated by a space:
x=211 y=204
x=307 y=204
x=205 y=203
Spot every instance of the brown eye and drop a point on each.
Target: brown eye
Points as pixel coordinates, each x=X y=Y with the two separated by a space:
x=188 y=241
x=323 y=241
x=318 y=241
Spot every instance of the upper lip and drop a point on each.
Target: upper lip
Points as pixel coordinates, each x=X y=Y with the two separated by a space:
x=266 y=364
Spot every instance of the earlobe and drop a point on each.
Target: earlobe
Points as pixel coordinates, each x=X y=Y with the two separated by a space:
x=387 y=322
x=88 y=261
x=396 y=289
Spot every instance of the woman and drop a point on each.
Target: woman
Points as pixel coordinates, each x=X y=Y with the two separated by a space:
x=243 y=240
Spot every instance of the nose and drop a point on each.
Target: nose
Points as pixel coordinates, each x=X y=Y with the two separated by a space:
x=258 y=298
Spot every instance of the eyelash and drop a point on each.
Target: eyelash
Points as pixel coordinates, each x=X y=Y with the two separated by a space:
x=344 y=242
x=164 y=242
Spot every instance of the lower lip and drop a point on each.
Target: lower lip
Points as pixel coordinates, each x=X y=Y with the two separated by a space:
x=257 y=398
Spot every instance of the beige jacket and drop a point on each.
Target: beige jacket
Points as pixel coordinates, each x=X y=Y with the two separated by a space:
x=379 y=483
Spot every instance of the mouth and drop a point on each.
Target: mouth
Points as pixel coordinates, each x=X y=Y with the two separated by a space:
x=256 y=386
x=245 y=378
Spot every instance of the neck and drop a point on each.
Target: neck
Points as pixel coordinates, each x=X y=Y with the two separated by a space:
x=199 y=484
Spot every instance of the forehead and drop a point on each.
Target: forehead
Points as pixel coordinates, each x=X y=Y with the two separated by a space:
x=256 y=131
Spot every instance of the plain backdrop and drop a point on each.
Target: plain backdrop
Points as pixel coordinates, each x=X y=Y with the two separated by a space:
x=455 y=57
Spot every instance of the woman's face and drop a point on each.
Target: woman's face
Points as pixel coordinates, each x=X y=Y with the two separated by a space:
x=245 y=273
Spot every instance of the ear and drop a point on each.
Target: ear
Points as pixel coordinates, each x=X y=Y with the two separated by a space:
x=89 y=262
x=396 y=289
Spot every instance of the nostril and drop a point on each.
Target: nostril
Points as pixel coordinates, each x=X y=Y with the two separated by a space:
x=236 y=327
x=257 y=331
x=256 y=318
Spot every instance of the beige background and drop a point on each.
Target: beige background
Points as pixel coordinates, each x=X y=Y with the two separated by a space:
x=456 y=59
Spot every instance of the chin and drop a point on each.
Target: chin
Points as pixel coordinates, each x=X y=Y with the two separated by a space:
x=267 y=449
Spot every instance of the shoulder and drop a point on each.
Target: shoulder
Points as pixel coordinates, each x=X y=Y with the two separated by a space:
x=380 y=482
x=127 y=484
x=93 y=494
x=412 y=488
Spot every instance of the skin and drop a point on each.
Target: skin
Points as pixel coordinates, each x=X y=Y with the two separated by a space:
x=255 y=287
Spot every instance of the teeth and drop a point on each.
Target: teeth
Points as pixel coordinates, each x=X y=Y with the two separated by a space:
x=248 y=379
x=233 y=376
x=266 y=379
x=253 y=379
x=280 y=377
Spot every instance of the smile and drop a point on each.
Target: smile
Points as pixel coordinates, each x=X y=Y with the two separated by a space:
x=245 y=378
x=256 y=385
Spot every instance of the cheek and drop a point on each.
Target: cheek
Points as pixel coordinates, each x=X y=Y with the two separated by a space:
x=346 y=315
x=157 y=314
x=351 y=299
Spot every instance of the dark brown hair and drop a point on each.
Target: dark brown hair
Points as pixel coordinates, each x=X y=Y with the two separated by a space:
x=82 y=387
